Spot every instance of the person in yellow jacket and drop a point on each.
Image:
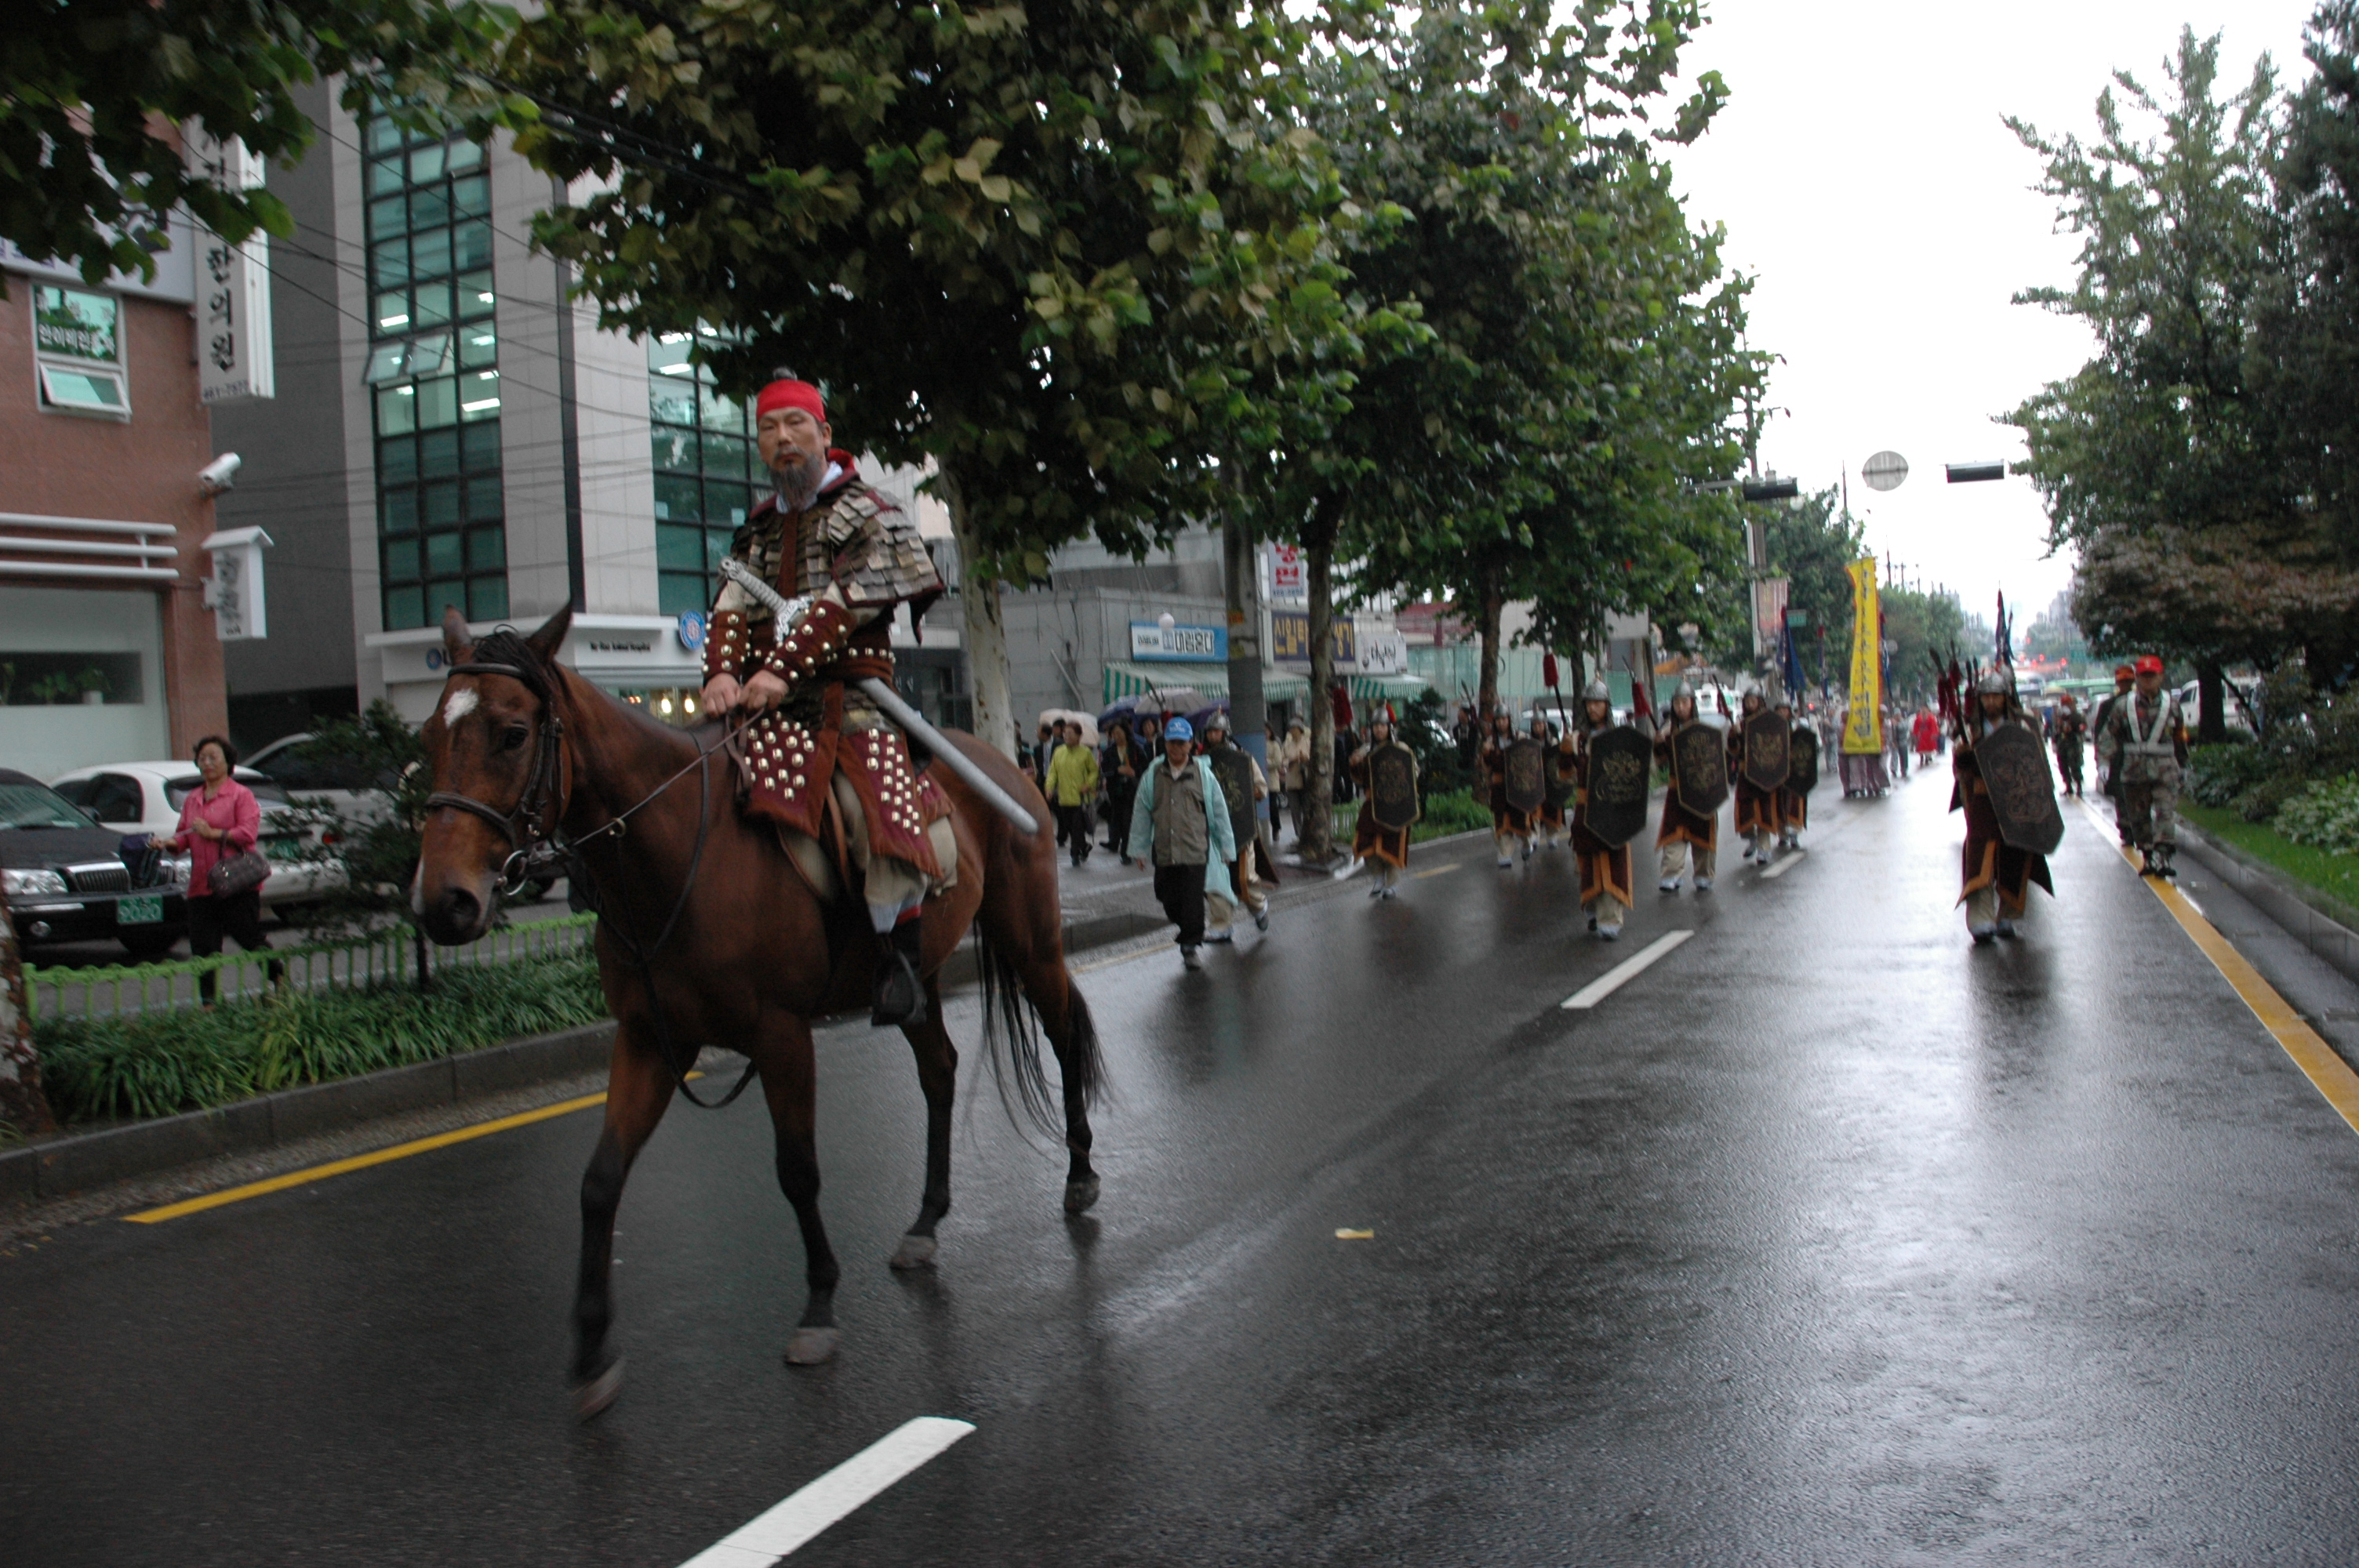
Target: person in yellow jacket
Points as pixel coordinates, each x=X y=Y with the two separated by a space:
x=1073 y=787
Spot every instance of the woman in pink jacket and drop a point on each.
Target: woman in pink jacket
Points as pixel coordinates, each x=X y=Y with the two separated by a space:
x=220 y=820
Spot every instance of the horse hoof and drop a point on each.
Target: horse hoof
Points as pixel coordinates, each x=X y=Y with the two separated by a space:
x=1080 y=1195
x=591 y=1398
x=914 y=1252
x=809 y=1347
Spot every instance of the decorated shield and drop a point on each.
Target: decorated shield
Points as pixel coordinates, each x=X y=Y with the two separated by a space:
x=1526 y=775
x=2022 y=791
x=1621 y=767
x=1391 y=787
x=1560 y=778
x=1804 y=750
x=1233 y=765
x=1700 y=767
x=1767 y=751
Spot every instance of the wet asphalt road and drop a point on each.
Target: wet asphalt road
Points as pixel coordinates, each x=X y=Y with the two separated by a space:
x=1828 y=1240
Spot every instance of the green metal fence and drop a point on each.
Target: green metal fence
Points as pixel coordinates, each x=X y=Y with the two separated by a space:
x=122 y=988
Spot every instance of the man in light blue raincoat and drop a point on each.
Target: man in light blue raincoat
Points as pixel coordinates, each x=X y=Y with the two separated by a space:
x=1179 y=825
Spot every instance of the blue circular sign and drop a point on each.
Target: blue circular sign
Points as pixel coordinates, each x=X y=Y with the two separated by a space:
x=690 y=629
x=433 y=658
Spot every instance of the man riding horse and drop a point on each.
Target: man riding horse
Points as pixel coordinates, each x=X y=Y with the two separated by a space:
x=818 y=751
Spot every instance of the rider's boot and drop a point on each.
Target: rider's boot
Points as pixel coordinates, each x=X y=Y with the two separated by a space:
x=900 y=994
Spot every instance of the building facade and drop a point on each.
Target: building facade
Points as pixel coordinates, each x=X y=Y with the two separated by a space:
x=108 y=651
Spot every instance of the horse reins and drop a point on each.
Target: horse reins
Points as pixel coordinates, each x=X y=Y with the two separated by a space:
x=535 y=848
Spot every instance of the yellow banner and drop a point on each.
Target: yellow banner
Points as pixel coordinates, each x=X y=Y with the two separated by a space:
x=1863 y=724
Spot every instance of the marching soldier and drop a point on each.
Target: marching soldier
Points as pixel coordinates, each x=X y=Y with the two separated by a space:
x=1388 y=846
x=1548 y=823
x=1996 y=878
x=1793 y=805
x=1756 y=808
x=1683 y=830
x=2109 y=761
x=1508 y=826
x=2146 y=731
x=2066 y=732
x=825 y=533
x=1605 y=867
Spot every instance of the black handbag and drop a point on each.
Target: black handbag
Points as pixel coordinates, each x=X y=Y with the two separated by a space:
x=239 y=873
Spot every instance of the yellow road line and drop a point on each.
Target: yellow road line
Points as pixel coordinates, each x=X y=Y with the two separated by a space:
x=1437 y=871
x=2327 y=1072
x=363 y=1161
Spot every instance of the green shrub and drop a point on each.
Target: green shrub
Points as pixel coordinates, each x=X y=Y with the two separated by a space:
x=155 y=1064
x=2262 y=802
x=2324 y=815
x=2217 y=774
x=1456 y=812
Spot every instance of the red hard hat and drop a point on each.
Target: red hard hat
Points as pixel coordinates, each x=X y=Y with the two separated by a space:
x=2147 y=665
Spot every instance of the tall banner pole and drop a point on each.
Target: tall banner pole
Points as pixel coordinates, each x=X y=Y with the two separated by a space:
x=1863 y=721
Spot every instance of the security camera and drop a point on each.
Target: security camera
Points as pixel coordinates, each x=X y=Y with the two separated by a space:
x=218 y=474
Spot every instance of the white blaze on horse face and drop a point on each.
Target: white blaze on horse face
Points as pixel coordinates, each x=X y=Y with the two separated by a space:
x=462 y=703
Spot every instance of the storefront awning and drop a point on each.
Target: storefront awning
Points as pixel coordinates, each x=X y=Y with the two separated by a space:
x=1381 y=689
x=1125 y=677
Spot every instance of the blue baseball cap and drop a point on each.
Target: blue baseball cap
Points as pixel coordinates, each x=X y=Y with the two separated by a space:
x=1179 y=730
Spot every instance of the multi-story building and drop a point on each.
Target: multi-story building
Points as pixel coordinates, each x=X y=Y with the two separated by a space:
x=453 y=430
x=107 y=652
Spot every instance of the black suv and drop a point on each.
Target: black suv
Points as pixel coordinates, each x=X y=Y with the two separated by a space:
x=67 y=881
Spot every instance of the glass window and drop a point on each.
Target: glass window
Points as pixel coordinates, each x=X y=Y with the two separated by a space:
x=387 y=362
x=91 y=391
x=77 y=340
x=696 y=434
x=438 y=398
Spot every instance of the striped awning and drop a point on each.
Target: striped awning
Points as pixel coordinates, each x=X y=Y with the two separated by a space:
x=1125 y=677
x=1382 y=688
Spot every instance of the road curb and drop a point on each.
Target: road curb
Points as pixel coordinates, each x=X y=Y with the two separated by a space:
x=57 y=1166
x=2304 y=914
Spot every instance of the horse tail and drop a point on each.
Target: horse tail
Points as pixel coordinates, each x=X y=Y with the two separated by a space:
x=1012 y=1026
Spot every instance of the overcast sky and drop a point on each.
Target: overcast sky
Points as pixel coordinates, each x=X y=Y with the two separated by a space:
x=1869 y=187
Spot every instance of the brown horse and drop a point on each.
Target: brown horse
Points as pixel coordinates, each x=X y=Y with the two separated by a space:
x=709 y=932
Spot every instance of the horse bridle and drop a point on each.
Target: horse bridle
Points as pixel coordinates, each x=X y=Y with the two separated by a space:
x=528 y=826
x=536 y=850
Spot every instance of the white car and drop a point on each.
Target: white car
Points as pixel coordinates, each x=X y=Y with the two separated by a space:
x=348 y=788
x=136 y=797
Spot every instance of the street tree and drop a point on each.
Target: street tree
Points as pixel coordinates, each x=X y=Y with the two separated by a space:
x=1037 y=247
x=1546 y=256
x=91 y=93
x=2160 y=458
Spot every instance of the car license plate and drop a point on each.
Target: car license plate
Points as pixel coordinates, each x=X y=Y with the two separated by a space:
x=145 y=909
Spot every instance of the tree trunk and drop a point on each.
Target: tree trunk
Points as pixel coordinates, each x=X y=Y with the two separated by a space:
x=23 y=1106
x=983 y=632
x=1318 y=845
x=2211 y=708
x=1490 y=602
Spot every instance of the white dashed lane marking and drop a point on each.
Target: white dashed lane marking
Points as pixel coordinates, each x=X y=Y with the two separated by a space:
x=1621 y=974
x=769 y=1536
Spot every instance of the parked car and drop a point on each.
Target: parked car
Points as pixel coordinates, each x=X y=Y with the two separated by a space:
x=67 y=881
x=145 y=797
x=351 y=788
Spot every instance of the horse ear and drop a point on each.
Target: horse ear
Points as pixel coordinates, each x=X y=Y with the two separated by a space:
x=456 y=642
x=551 y=635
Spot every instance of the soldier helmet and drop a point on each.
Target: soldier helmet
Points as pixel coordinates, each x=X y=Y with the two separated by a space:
x=1997 y=680
x=1596 y=691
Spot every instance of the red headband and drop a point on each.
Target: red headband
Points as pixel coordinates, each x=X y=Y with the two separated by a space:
x=799 y=394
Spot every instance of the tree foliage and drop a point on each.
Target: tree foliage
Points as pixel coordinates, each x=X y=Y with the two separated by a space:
x=90 y=159
x=2167 y=459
